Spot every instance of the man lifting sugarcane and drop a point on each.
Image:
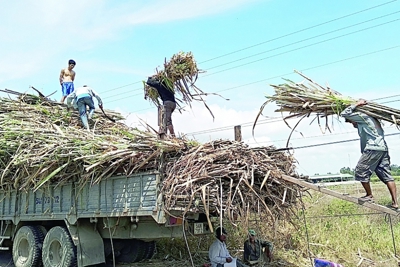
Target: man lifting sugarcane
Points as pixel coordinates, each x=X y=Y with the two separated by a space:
x=169 y=104
x=375 y=155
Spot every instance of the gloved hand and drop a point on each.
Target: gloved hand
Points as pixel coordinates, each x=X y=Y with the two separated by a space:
x=101 y=106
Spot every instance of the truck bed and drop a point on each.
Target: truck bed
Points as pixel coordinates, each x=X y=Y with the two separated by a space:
x=135 y=195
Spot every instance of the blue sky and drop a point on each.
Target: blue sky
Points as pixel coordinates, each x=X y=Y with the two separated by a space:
x=243 y=45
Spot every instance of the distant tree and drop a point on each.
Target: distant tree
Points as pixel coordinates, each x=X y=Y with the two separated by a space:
x=395 y=169
x=347 y=170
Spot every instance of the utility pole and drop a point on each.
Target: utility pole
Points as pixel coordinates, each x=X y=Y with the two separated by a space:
x=238 y=133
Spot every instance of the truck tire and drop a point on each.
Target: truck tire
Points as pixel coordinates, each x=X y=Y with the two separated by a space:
x=42 y=229
x=150 y=250
x=27 y=247
x=58 y=248
x=133 y=251
x=117 y=245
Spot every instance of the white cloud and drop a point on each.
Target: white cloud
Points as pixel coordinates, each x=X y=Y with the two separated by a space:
x=37 y=31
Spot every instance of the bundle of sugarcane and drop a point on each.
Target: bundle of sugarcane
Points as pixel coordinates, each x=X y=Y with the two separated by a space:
x=229 y=177
x=179 y=75
x=301 y=100
x=40 y=142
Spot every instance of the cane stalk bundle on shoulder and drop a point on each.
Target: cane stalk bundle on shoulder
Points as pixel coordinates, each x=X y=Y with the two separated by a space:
x=42 y=142
x=179 y=75
x=301 y=100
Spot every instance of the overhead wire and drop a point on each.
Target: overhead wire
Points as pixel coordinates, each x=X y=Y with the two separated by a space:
x=298 y=31
x=286 y=74
x=270 y=40
x=225 y=128
x=335 y=142
x=300 y=41
x=302 y=47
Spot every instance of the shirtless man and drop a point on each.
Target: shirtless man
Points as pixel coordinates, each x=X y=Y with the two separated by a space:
x=67 y=77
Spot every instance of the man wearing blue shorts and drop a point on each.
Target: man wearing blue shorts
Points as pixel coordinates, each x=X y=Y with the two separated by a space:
x=375 y=155
x=67 y=77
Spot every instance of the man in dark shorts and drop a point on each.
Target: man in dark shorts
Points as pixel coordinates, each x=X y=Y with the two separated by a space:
x=375 y=155
x=169 y=103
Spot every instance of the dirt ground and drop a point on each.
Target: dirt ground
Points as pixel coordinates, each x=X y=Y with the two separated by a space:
x=6 y=261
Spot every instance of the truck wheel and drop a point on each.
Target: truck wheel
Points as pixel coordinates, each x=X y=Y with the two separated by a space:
x=117 y=245
x=58 y=248
x=27 y=247
x=42 y=229
x=150 y=250
x=133 y=251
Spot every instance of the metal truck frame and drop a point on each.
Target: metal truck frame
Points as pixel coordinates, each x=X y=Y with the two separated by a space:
x=70 y=224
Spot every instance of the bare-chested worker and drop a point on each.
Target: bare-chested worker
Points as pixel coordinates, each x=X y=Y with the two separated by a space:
x=67 y=77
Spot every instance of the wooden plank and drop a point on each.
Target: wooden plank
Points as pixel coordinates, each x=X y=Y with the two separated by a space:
x=355 y=200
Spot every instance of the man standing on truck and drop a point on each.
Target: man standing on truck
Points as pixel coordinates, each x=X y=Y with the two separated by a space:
x=256 y=250
x=218 y=253
x=82 y=97
x=169 y=103
x=67 y=77
x=375 y=155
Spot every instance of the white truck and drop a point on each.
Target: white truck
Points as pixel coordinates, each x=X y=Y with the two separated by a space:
x=70 y=224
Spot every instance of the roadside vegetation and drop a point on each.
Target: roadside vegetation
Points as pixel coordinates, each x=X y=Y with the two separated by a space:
x=338 y=231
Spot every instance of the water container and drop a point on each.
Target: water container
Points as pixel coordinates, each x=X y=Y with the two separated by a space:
x=325 y=263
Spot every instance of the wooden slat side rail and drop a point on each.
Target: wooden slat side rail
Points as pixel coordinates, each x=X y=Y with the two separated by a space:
x=340 y=195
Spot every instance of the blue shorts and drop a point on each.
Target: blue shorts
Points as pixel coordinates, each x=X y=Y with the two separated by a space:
x=67 y=88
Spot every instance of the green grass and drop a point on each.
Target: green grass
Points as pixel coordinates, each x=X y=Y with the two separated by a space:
x=338 y=231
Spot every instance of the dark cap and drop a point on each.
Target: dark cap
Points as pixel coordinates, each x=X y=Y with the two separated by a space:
x=218 y=231
x=71 y=61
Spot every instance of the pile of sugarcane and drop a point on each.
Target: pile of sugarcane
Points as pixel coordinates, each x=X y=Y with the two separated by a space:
x=300 y=100
x=179 y=75
x=43 y=142
x=229 y=178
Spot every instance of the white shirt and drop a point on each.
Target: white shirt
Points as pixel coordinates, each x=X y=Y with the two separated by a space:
x=218 y=253
x=81 y=92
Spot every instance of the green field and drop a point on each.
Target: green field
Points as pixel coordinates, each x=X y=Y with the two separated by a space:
x=329 y=228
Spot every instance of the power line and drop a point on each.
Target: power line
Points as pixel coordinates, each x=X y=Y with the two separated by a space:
x=303 y=40
x=225 y=128
x=305 y=69
x=298 y=31
x=310 y=68
x=384 y=97
x=126 y=93
x=277 y=38
x=302 y=47
x=336 y=142
x=120 y=87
